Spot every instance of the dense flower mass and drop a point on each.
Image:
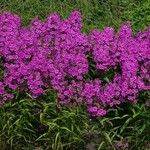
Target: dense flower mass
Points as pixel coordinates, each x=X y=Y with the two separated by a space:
x=54 y=54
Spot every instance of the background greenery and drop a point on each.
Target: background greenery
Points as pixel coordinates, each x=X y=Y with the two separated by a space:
x=38 y=125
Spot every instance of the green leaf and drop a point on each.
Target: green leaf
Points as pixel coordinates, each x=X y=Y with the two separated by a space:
x=125 y=124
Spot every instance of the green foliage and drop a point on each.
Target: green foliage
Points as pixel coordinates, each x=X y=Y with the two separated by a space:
x=38 y=125
x=96 y=13
x=16 y=122
x=28 y=124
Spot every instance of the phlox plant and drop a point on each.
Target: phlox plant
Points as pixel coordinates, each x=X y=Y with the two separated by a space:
x=54 y=54
x=41 y=125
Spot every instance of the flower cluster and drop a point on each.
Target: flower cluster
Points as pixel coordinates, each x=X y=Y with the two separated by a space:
x=54 y=54
x=121 y=145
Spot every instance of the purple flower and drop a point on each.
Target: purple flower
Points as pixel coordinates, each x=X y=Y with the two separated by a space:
x=54 y=54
